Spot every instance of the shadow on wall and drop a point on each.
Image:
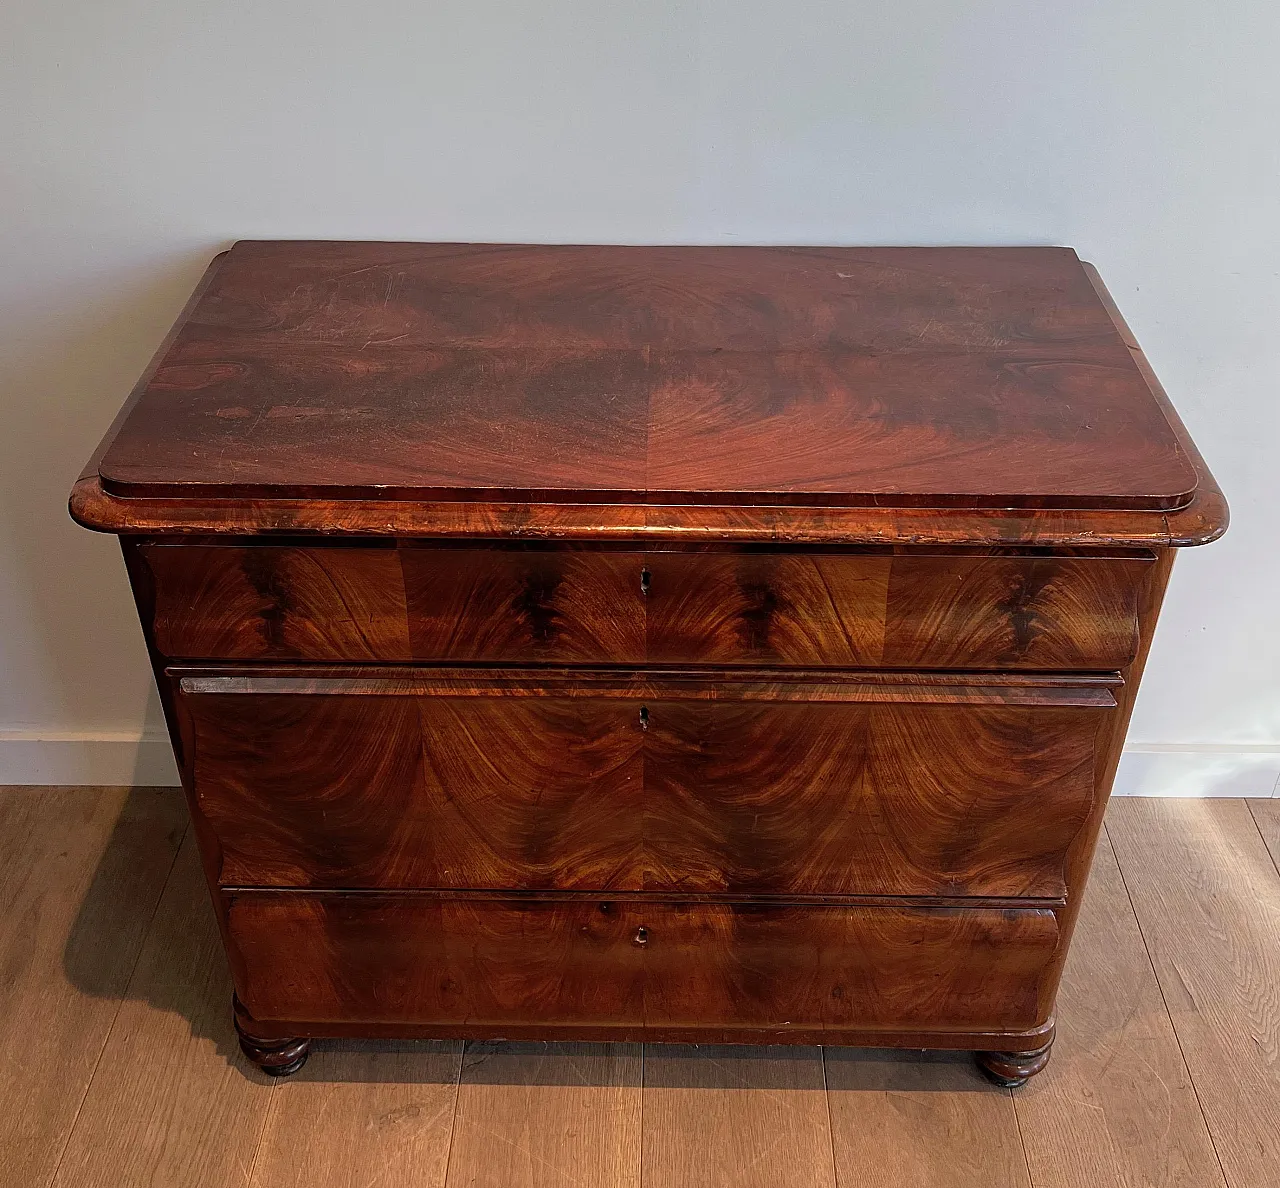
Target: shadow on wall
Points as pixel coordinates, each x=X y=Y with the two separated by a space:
x=70 y=352
x=181 y=970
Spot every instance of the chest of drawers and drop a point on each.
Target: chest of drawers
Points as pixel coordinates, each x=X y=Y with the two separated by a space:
x=675 y=644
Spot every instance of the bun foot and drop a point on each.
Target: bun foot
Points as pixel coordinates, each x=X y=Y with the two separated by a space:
x=1012 y=1069
x=276 y=1057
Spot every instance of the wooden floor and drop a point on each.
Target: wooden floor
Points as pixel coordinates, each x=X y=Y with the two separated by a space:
x=119 y=1066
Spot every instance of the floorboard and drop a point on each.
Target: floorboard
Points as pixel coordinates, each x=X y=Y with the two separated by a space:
x=1207 y=897
x=172 y=1102
x=1266 y=815
x=81 y=871
x=1116 y=1104
x=358 y=1106
x=121 y=1067
x=928 y=1120
x=547 y=1116
x=735 y=1117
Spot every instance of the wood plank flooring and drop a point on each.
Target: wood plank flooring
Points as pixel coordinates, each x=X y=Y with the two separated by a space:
x=120 y=1067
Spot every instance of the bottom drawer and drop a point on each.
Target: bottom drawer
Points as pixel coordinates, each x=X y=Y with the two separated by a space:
x=433 y=959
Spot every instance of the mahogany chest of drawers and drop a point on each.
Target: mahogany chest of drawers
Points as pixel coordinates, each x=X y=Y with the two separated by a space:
x=684 y=644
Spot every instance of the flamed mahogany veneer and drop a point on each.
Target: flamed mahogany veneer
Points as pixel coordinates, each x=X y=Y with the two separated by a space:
x=681 y=644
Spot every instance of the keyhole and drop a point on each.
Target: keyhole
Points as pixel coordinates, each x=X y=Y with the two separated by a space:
x=642 y=935
x=644 y=581
x=644 y=717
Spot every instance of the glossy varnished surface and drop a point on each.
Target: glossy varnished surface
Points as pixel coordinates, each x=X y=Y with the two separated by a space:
x=897 y=611
x=689 y=789
x=627 y=965
x=904 y=377
x=396 y=604
x=808 y=609
x=680 y=644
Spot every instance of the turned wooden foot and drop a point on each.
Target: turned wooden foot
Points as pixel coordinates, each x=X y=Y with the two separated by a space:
x=276 y=1057
x=1012 y=1069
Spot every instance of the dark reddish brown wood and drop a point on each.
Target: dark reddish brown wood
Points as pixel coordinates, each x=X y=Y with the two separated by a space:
x=901 y=611
x=524 y=605
x=541 y=604
x=711 y=645
x=270 y=602
x=277 y=603
x=619 y=963
x=276 y=1057
x=1014 y=1069
x=660 y=793
x=848 y=687
x=1203 y=520
x=1079 y=856
x=896 y=377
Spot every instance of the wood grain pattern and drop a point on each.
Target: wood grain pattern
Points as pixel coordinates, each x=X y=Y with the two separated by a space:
x=618 y=966
x=1116 y=1105
x=878 y=800
x=902 y=611
x=1202 y=521
x=1079 y=856
x=1007 y=612
x=774 y=685
x=388 y=959
x=1208 y=899
x=925 y=1119
x=772 y=967
x=743 y=588
x=548 y=605
x=81 y=870
x=1266 y=815
x=547 y=1115
x=443 y=370
x=409 y=792
x=704 y=795
x=524 y=605
x=278 y=603
x=735 y=1118
x=389 y=604
x=373 y=1111
x=171 y=1102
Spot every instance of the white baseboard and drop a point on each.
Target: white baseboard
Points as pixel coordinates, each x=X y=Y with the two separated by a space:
x=67 y=757
x=1146 y=769
x=1168 y=769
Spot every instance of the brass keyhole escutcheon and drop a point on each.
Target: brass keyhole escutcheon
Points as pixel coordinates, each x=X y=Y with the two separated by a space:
x=644 y=581
x=644 y=717
x=642 y=935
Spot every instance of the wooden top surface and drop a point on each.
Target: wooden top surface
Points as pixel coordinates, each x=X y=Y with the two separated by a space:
x=840 y=377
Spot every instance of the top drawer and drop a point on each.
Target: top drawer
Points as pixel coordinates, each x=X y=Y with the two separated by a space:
x=920 y=610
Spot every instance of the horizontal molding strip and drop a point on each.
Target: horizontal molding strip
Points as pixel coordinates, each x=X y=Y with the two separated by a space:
x=745 y=899
x=1088 y=692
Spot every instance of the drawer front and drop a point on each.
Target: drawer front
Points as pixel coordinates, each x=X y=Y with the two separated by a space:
x=565 y=606
x=855 y=786
x=423 y=959
x=911 y=611
x=359 y=604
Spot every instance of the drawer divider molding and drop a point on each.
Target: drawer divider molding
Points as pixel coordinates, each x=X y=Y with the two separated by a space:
x=1088 y=691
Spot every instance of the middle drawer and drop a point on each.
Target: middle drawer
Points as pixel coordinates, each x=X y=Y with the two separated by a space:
x=778 y=782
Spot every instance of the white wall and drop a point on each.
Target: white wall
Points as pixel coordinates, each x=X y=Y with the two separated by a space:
x=136 y=139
